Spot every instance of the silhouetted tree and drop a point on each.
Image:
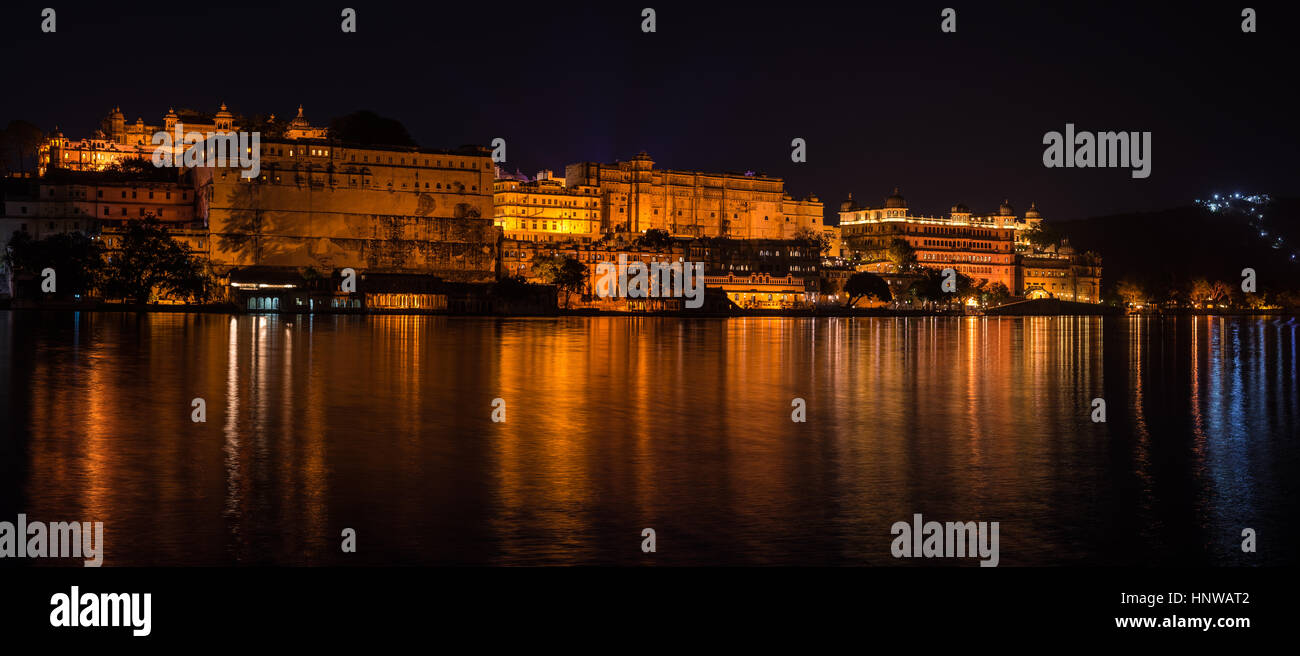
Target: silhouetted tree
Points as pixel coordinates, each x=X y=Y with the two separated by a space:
x=1131 y=292
x=996 y=294
x=369 y=128
x=1041 y=236
x=151 y=259
x=901 y=255
x=77 y=260
x=18 y=141
x=814 y=238
x=567 y=274
x=655 y=238
x=510 y=288
x=864 y=283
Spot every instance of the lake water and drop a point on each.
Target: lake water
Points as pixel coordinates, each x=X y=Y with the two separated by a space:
x=383 y=424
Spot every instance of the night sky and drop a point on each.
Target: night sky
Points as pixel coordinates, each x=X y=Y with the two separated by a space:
x=882 y=97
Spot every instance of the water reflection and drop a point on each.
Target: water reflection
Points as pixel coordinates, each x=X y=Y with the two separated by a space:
x=382 y=424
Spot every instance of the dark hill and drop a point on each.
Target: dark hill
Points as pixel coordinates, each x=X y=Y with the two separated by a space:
x=1171 y=247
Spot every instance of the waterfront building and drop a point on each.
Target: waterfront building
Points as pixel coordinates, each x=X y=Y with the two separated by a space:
x=329 y=205
x=635 y=197
x=1059 y=272
x=750 y=273
x=979 y=246
x=117 y=141
x=546 y=209
x=989 y=248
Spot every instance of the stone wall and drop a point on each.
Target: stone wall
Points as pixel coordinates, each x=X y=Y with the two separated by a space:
x=328 y=227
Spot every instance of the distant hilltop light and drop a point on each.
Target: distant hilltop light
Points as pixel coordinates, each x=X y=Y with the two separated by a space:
x=1226 y=202
x=1249 y=207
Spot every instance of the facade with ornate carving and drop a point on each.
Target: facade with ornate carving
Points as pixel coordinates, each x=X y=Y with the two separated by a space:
x=635 y=197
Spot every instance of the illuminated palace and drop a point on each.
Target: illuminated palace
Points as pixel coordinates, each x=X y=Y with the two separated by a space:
x=546 y=209
x=116 y=140
x=327 y=205
x=635 y=197
x=317 y=204
x=989 y=248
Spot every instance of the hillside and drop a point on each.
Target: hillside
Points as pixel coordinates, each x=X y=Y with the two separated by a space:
x=1213 y=239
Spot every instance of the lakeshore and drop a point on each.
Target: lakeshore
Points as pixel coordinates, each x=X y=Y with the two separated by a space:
x=1042 y=307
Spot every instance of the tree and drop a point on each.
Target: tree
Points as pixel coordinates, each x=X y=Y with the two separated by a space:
x=1200 y=291
x=1221 y=291
x=864 y=283
x=18 y=141
x=829 y=286
x=133 y=166
x=996 y=294
x=150 y=259
x=655 y=238
x=901 y=255
x=929 y=287
x=510 y=288
x=368 y=128
x=566 y=273
x=814 y=238
x=1131 y=291
x=77 y=260
x=1041 y=236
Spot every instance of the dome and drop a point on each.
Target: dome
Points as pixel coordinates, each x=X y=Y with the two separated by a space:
x=117 y=113
x=1005 y=209
x=895 y=200
x=1032 y=212
x=299 y=119
x=960 y=208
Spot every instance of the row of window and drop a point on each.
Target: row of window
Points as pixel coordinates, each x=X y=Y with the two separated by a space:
x=950 y=243
x=99 y=193
x=310 y=151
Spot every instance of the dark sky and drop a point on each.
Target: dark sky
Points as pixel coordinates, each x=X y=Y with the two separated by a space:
x=882 y=97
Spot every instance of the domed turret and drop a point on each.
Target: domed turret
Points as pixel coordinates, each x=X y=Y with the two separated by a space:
x=960 y=208
x=116 y=128
x=224 y=120
x=1006 y=209
x=895 y=200
x=847 y=205
x=1032 y=212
